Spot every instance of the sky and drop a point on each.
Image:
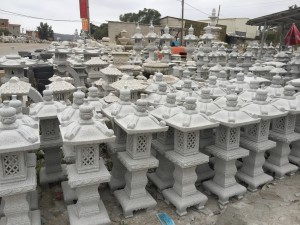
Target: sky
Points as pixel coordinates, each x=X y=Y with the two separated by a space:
x=104 y=10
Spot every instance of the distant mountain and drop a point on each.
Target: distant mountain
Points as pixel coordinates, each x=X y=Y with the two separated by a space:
x=63 y=37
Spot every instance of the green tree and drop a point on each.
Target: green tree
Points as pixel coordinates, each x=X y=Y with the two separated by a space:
x=143 y=16
x=4 y=31
x=98 y=32
x=45 y=31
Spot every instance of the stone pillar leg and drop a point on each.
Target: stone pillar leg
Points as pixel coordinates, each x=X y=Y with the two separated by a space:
x=294 y=157
x=252 y=172
x=163 y=176
x=224 y=184
x=117 y=173
x=53 y=170
x=17 y=212
x=184 y=193
x=278 y=161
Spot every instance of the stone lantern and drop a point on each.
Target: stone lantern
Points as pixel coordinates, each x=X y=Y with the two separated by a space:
x=222 y=101
x=117 y=109
x=151 y=37
x=60 y=59
x=94 y=100
x=207 y=39
x=247 y=62
x=282 y=57
x=222 y=56
x=16 y=178
x=160 y=97
x=213 y=23
x=110 y=75
x=215 y=90
x=166 y=38
x=215 y=70
x=294 y=64
x=186 y=157
x=61 y=90
x=249 y=95
x=153 y=87
x=88 y=171
x=233 y=57
x=255 y=139
x=93 y=67
x=51 y=141
x=79 y=68
x=240 y=83
x=186 y=90
x=200 y=60
x=213 y=56
x=275 y=90
x=283 y=132
x=234 y=71
x=163 y=176
x=190 y=41
x=227 y=150
x=186 y=74
x=222 y=79
x=90 y=52
x=137 y=159
x=137 y=47
x=166 y=54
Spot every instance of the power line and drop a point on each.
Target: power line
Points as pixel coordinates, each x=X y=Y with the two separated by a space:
x=194 y=8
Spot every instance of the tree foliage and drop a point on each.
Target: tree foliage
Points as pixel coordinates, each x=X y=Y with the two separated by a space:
x=45 y=31
x=98 y=32
x=143 y=16
x=4 y=31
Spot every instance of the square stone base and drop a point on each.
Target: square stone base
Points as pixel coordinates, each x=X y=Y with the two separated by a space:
x=98 y=219
x=295 y=160
x=182 y=203
x=129 y=205
x=224 y=193
x=280 y=171
x=35 y=218
x=254 y=182
x=69 y=193
x=46 y=178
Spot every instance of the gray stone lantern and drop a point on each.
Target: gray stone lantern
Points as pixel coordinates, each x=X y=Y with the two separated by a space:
x=222 y=101
x=166 y=54
x=110 y=75
x=275 y=90
x=94 y=100
x=137 y=46
x=294 y=156
x=89 y=53
x=88 y=172
x=153 y=87
x=186 y=90
x=61 y=90
x=283 y=132
x=233 y=57
x=215 y=70
x=118 y=109
x=160 y=97
x=222 y=79
x=215 y=90
x=16 y=178
x=163 y=176
x=249 y=95
x=137 y=159
x=151 y=37
x=166 y=38
x=186 y=157
x=186 y=75
x=227 y=150
x=207 y=39
x=241 y=84
x=79 y=68
x=294 y=65
x=213 y=56
x=93 y=67
x=60 y=59
x=213 y=23
x=247 y=62
x=51 y=141
x=190 y=42
x=255 y=139
x=222 y=56
x=234 y=71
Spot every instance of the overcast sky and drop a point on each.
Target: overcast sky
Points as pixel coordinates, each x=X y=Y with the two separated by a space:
x=103 y=10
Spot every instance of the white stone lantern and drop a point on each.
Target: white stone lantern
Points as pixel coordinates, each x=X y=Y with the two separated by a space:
x=60 y=59
x=88 y=172
x=222 y=101
x=94 y=100
x=283 y=132
x=222 y=80
x=241 y=84
x=79 y=68
x=93 y=67
x=190 y=41
x=247 y=62
x=234 y=71
x=166 y=38
x=215 y=90
x=233 y=57
x=61 y=90
x=163 y=176
x=151 y=37
x=89 y=53
x=294 y=156
x=227 y=150
x=118 y=109
x=137 y=159
x=185 y=76
x=166 y=54
x=213 y=56
x=275 y=90
x=16 y=178
x=51 y=140
x=222 y=56
x=160 y=97
x=213 y=23
x=110 y=75
x=186 y=157
x=249 y=95
x=137 y=46
x=207 y=39
x=255 y=139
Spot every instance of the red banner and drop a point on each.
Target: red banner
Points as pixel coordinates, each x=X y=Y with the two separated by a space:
x=293 y=36
x=83 y=8
x=85 y=24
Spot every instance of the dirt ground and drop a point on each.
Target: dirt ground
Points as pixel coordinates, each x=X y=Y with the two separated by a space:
x=275 y=203
x=5 y=47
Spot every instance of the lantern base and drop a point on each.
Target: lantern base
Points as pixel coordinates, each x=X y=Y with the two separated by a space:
x=46 y=178
x=254 y=182
x=35 y=217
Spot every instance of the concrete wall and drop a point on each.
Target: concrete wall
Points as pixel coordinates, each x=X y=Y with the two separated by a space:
x=238 y=24
x=3 y=23
x=14 y=29
x=115 y=27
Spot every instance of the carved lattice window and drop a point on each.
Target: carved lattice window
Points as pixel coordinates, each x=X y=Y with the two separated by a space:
x=88 y=156
x=191 y=140
x=279 y=123
x=291 y=119
x=11 y=165
x=170 y=133
x=252 y=130
x=180 y=139
x=142 y=143
x=264 y=129
x=233 y=136
x=222 y=133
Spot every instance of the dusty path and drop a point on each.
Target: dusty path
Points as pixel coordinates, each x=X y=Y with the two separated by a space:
x=5 y=48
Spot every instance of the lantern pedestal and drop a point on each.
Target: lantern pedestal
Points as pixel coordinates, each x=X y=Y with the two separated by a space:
x=184 y=194
x=134 y=196
x=294 y=156
x=89 y=208
x=117 y=180
x=224 y=184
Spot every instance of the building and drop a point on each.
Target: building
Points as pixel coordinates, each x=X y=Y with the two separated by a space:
x=238 y=27
x=14 y=29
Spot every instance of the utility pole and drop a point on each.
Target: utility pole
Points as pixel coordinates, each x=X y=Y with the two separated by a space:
x=219 y=14
x=182 y=16
x=88 y=14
